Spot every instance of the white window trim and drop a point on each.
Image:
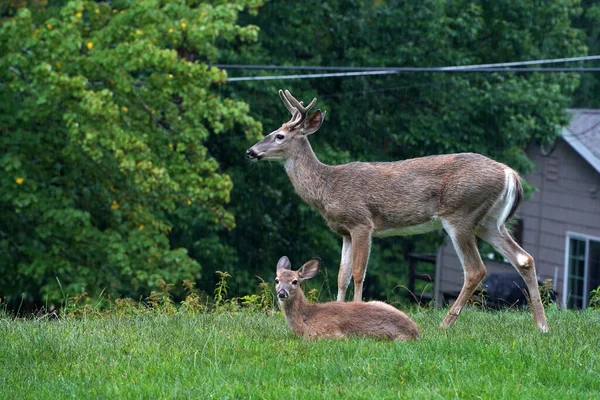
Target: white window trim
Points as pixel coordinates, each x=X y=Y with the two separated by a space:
x=579 y=236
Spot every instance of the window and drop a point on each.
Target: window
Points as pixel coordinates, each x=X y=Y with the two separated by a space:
x=582 y=269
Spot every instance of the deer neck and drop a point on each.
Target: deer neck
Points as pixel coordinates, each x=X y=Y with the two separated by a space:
x=307 y=174
x=295 y=311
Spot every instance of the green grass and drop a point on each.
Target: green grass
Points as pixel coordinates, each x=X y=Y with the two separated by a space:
x=252 y=355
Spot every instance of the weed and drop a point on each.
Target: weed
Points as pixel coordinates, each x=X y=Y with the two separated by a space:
x=153 y=300
x=250 y=302
x=547 y=293
x=221 y=288
x=266 y=297
x=263 y=301
x=595 y=299
x=162 y=301
x=126 y=306
x=313 y=295
x=3 y=308
x=193 y=302
x=78 y=306
x=479 y=298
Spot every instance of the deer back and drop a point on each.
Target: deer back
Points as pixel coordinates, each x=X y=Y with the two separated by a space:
x=372 y=319
x=411 y=192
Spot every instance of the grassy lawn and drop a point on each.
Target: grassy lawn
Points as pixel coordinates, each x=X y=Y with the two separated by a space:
x=252 y=355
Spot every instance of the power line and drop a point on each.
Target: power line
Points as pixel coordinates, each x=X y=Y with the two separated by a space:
x=532 y=62
x=366 y=71
x=308 y=76
x=410 y=69
x=407 y=70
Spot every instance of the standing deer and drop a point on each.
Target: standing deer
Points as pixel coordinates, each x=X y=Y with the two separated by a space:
x=467 y=194
x=336 y=319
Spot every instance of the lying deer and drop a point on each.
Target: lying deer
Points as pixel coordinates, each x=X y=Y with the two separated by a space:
x=467 y=194
x=336 y=319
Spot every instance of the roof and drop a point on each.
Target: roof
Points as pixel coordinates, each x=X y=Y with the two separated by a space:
x=583 y=135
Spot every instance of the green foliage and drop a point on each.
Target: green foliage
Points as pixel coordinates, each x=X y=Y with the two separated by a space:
x=267 y=300
x=162 y=301
x=595 y=299
x=126 y=306
x=547 y=293
x=193 y=301
x=479 y=298
x=312 y=295
x=588 y=92
x=262 y=301
x=106 y=110
x=220 y=293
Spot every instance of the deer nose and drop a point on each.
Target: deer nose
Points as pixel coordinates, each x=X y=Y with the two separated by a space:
x=252 y=154
x=282 y=294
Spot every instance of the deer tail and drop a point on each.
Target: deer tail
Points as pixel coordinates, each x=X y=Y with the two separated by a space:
x=513 y=196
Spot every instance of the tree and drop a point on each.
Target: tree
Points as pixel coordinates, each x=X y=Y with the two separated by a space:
x=106 y=109
x=588 y=92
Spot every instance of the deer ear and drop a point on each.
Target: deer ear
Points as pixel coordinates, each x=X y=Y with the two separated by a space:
x=284 y=263
x=310 y=268
x=313 y=123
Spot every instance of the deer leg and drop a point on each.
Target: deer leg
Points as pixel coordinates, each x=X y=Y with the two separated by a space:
x=345 y=274
x=361 y=247
x=465 y=245
x=504 y=244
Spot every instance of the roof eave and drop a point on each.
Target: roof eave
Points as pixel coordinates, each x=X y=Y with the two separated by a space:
x=581 y=149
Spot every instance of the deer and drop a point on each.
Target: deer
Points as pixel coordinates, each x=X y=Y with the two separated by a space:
x=336 y=319
x=467 y=194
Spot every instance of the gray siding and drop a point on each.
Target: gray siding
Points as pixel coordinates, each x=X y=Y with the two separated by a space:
x=567 y=198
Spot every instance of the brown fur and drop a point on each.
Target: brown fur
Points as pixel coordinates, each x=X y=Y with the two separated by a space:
x=337 y=319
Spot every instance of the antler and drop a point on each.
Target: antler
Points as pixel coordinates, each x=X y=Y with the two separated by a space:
x=298 y=111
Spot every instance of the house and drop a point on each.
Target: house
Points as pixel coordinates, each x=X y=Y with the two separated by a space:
x=559 y=225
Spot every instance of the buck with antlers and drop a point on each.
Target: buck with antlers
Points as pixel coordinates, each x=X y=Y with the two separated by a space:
x=336 y=319
x=467 y=194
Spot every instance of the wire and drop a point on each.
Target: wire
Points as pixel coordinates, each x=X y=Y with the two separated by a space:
x=405 y=70
x=366 y=71
x=308 y=76
x=533 y=62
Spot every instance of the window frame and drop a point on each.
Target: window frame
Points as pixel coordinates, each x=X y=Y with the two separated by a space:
x=586 y=238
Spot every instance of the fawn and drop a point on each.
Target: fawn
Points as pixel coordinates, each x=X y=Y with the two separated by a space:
x=336 y=319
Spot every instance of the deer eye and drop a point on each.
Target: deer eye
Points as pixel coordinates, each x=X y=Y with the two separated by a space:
x=279 y=136
x=295 y=282
x=276 y=281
